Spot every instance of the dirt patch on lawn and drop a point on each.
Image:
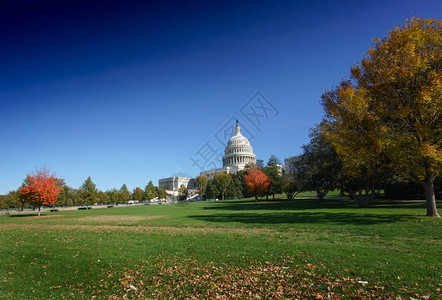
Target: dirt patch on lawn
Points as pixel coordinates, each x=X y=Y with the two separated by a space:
x=144 y=228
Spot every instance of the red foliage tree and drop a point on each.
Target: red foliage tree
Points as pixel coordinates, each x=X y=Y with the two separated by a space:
x=41 y=189
x=256 y=182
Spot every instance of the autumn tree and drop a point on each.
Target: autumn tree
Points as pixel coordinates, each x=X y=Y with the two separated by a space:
x=124 y=194
x=256 y=182
x=41 y=189
x=88 y=192
x=221 y=182
x=201 y=185
x=388 y=113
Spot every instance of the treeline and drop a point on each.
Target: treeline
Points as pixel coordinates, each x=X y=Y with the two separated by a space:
x=319 y=168
x=224 y=185
x=86 y=194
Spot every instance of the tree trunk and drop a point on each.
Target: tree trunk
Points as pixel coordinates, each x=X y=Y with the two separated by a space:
x=273 y=195
x=222 y=196
x=39 y=211
x=267 y=197
x=364 y=200
x=256 y=198
x=352 y=194
x=321 y=195
x=430 y=197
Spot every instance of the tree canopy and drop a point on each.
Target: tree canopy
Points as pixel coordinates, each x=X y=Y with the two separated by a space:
x=150 y=191
x=201 y=185
x=387 y=114
x=183 y=193
x=137 y=194
x=88 y=192
x=221 y=182
x=41 y=188
x=162 y=194
x=124 y=194
x=256 y=182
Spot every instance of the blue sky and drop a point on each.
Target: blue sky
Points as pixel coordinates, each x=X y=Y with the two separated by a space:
x=132 y=91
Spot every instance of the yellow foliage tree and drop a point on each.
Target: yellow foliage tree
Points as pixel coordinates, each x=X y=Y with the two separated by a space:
x=388 y=114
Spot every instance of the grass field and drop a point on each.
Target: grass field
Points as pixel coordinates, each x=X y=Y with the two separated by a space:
x=234 y=249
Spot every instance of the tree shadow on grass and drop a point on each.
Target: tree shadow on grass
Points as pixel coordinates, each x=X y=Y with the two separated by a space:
x=333 y=218
x=24 y=215
x=306 y=204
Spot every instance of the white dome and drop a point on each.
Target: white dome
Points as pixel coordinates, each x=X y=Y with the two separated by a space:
x=238 y=152
x=238 y=139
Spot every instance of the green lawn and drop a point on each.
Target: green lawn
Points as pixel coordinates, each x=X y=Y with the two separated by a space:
x=235 y=248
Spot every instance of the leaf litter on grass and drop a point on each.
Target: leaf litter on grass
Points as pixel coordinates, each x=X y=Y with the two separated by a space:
x=283 y=279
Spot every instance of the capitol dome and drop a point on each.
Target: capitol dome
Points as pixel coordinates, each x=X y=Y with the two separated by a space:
x=238 y=152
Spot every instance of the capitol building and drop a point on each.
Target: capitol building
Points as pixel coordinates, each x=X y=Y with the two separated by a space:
x=237 y=155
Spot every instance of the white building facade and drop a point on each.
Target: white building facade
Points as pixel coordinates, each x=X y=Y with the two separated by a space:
x=174 y=183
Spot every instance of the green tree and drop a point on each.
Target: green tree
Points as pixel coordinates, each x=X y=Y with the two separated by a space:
x=103 y=197
x=67 y=196
x=88 y=192
x=114 y=195
x=11 y=200
x=150 y=191
x=273 y=161
x=23 y=202
x=319 y=165
x=221 y=182
x=183 y=192
x=240 y=176
x=124 y=194
x=235 y=187
x=3 y=204
x=211 y=191
x=201 y=185
x=162 y=194
x=273 y=172
x=387 y=114
x=291 y=185
x=137 y=194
